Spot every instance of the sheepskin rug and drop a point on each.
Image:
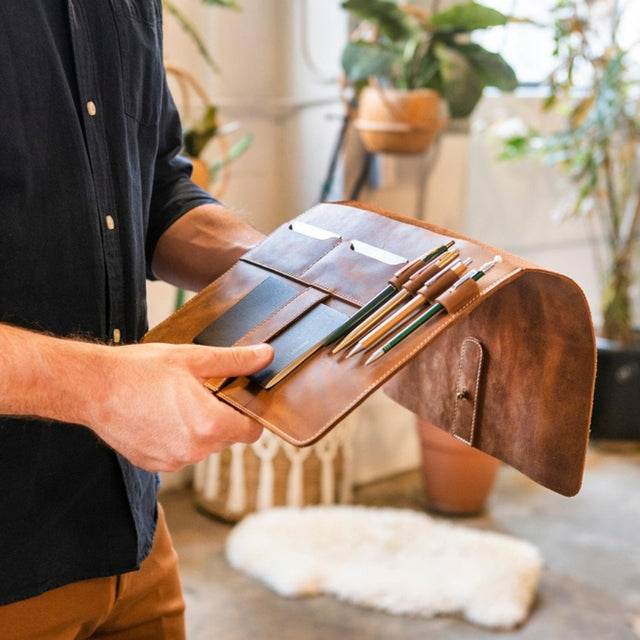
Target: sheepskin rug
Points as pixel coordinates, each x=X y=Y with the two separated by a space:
x=396 y=560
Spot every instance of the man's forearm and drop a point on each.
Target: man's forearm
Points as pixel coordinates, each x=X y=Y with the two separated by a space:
x=45 y=376
x=147 y=401
x=201 y=245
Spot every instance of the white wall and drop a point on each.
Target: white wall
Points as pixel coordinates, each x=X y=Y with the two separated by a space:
x=267 y=85
x=514 y=204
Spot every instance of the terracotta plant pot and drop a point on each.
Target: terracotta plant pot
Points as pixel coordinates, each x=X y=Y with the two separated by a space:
x=200 y=174
x=457 y=478
x=397 y=121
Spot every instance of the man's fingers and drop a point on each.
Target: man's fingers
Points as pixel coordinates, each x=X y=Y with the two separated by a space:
x=236 y=361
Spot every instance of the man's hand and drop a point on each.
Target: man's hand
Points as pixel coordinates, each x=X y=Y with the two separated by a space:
x=155 y=410
x=147 y=401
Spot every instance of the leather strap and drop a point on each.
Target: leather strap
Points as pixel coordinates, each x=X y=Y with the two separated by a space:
x=468 y=390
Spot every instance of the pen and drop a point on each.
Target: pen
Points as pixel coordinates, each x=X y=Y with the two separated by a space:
x=409 y=287
x=432 y=311
x=399 y=278
x=431 y=289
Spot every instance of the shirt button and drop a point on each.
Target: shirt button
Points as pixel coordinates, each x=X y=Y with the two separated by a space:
x=116 y=336
x=91 y=108
x=111 y=224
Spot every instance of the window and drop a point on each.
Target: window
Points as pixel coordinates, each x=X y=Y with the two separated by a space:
x=529 y=48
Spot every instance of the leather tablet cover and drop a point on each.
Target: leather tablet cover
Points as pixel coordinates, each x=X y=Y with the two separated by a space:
x=530 y=373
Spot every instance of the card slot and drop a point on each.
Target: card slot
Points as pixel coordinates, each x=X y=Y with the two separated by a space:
x=297 y=342
x=350 y=275
x=283 y=317
x=291 y=252
x=264 y=328
x=377 y=253
x=247 y=313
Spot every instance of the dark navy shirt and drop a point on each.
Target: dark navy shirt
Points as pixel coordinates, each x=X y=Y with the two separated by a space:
x=90 y=177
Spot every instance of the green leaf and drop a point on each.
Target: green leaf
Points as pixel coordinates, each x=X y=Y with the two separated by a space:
x=361 y=60
x=491 y=67
x=515 y=147
x=227 y=4
x=197 y=137
x=235 y=152
x=425 y=74
x=392 y=21
x=461 y=84
x=467 y=16
x=192 y=32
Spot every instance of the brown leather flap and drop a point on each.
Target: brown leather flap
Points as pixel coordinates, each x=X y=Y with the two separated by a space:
x=534 y=400
x=510 y=369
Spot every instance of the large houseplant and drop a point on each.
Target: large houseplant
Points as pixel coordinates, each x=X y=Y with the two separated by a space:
x=595 y=85
x=401 y=54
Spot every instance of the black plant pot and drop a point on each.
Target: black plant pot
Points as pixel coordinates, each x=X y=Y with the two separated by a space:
x=616 y=403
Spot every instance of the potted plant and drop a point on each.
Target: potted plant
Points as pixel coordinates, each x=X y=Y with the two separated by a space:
x=596 y=86
x=411 y=70
x=200 y=131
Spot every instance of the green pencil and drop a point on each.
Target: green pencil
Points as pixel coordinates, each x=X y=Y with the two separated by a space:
x=431 y=312
x=390 y=290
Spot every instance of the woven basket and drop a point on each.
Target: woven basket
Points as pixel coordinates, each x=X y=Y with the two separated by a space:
x=270 y=473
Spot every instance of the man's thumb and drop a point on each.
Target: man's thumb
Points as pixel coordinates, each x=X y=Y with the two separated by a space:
x=239 y=361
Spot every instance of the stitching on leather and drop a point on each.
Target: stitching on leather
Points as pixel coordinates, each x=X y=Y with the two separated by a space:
x=282 y=308
x=256 y=416
x=288 y=273
x=191 y=301
x=377 y=381
x=298 y=278
x=476 y=343
x=456 y=413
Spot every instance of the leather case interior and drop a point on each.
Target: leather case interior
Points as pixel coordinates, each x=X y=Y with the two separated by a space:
x=509 y=370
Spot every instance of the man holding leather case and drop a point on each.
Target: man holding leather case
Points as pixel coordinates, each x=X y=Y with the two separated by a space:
x=94 y=199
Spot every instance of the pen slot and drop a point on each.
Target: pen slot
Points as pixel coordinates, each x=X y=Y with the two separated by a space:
x=350 y=275
x=290 y=252
x=454 y=299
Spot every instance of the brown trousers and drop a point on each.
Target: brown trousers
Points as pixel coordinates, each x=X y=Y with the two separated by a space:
x=141 y=605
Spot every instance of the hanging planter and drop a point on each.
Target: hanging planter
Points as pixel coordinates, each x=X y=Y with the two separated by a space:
x=410 y=70
x=399 y=121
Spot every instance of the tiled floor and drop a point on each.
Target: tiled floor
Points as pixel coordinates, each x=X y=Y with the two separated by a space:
x=590 y=588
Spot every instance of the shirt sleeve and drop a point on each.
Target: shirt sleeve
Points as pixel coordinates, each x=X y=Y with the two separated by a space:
x=173 y=193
